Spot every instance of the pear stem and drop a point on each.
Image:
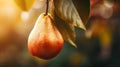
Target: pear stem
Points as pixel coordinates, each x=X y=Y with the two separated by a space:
x=47 y=7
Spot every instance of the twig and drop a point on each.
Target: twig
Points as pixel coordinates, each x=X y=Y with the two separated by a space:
x=47 y=6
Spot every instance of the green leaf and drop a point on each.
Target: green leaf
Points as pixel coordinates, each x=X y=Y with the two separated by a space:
x=67 y=30
x=70 y=11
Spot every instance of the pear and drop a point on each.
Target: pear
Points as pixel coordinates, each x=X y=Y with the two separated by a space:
x=45 y=41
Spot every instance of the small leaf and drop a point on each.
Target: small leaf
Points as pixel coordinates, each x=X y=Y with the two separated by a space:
x=25 y=5
x=66 y=30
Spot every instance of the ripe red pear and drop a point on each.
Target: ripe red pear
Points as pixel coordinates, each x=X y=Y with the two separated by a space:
x=45 y=41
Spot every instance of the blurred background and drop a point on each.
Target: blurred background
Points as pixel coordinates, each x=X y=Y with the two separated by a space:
x=99 y=46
